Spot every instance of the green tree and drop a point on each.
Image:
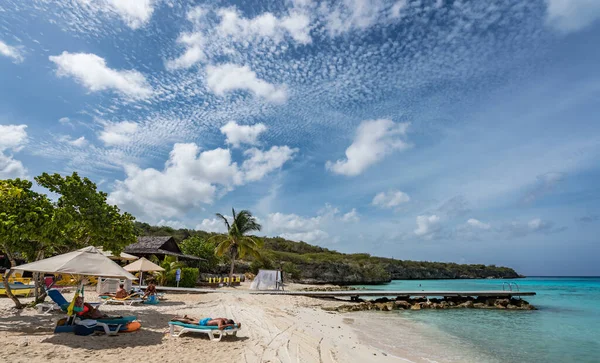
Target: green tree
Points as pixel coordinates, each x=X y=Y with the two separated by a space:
x=86 y=217
x=26 y=225
x=235 y=243
x=203 y=248
x=169 y=264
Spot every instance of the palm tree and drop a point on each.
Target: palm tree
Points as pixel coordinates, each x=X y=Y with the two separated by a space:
x=235 y=242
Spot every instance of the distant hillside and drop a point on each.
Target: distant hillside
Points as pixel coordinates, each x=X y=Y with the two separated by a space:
x=306 y=263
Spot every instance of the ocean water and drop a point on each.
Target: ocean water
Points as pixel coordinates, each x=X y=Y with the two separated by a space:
x=566 y=328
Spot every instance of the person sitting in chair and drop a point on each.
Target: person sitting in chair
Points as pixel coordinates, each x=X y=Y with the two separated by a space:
x=222 y=323
x=150 y=290
x=88 y=312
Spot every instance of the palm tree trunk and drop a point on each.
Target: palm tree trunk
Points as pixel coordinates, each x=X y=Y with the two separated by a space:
x=233 y=255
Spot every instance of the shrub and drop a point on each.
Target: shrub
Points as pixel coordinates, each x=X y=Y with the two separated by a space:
x=189 y=277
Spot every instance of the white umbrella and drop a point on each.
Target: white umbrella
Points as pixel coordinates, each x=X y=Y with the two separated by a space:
x=123 y=256
x=143 y=265
x=86 y=261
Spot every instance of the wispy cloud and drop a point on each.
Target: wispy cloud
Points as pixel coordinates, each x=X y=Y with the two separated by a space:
x=13 y=52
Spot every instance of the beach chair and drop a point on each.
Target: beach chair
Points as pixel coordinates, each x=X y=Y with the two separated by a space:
x=129 y=300
x=213 y=332
x=95 y=325
x=59 y=302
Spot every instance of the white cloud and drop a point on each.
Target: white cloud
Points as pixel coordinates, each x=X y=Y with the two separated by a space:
x=194 y=52
x=242 y=134
x=478 y=224
x=315 y=236
x=79 y=142
x=351 y=217
x=265 y=25
x=572 y=15
x=135 y=13
x=261 y=163
x=229 y=77
x=171 y=223
x=390 y=199
x=91 y=71
x=190 y=178
x=14 y=53
x=308 y=229
x=117 y=133
x=396 y=10
x=348 y=15
x=374 y=140
x=427 y=226
x=64 y=121
x=12 y=137
x=212 y=225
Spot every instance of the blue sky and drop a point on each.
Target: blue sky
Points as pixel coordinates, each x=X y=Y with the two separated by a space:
x=435 y=130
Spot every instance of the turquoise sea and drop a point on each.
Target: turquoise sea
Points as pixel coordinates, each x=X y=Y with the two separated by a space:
x=566 y=328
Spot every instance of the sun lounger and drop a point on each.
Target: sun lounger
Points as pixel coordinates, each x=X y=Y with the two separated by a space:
x=59 y=302
x=213 y=332
x=129 y=300
x=97 y=325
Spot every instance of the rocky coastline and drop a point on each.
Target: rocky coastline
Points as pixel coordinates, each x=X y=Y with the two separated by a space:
x=406 y=303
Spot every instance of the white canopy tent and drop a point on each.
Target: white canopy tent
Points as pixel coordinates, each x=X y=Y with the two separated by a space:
x=143 y=265
x=88 y=261
x=267 y=280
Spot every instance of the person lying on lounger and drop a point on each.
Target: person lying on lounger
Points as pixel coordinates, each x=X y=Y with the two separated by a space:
x=222 y=323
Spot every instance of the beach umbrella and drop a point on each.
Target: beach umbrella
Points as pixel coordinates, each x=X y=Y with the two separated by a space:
x=123 y=256
x=88 y=261
x=143 y=265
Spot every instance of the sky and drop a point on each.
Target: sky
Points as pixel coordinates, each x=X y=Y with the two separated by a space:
x=437 y=130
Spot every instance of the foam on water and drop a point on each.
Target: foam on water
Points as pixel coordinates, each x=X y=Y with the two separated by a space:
x=565 y=328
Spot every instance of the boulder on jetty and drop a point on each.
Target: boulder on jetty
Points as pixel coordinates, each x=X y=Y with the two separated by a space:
x=454 y=302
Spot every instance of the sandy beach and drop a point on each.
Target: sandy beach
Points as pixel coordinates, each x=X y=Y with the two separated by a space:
x=275 y=329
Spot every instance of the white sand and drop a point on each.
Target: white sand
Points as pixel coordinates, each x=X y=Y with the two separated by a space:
x=274 y=329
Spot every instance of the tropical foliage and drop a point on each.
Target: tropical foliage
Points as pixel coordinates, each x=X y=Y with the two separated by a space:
x=236 y=243
x=203 y=248
x=32 y=226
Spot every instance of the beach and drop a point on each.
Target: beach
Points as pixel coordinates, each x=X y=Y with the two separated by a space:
x=274 y=329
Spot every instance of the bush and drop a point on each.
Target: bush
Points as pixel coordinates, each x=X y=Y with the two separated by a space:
x=189 y=277
x=292 y=271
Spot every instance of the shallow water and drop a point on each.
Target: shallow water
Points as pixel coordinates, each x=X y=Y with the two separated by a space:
x=565 y=328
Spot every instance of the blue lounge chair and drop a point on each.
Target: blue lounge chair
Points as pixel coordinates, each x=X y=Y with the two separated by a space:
x=213 y=332
x=63 y=304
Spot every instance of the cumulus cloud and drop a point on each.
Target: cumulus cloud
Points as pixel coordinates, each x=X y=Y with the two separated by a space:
x=428 y=226
x=190 y=178
x=194 y=51
x=212 y=225
x=135 y=13
x=569 y=16
x=390 y=199
x=242 y=134
x=92 y=72
x=11 y=52
x=12 y=138
x=374 y=140
x=309 y=229
x=266 y=25
x=259 y=163
x=117 y=133
x=229 y=77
